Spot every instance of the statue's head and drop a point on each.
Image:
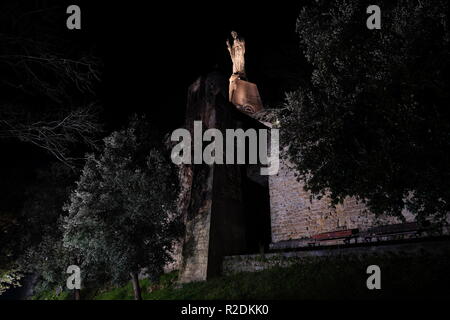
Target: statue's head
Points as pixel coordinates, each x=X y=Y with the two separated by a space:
x=234 y=34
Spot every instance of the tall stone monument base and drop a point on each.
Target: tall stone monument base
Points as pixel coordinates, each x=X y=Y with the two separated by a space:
x=225 y=206
x=214 y=211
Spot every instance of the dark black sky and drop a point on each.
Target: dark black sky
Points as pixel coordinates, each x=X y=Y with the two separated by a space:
x=152 y=52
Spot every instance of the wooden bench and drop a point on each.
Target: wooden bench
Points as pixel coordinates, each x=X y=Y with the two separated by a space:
x=399 y=231
x=346 y=235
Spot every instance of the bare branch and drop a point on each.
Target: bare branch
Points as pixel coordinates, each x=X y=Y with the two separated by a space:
x=57 y=135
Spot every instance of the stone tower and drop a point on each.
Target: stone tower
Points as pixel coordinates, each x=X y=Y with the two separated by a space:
x=219 y=200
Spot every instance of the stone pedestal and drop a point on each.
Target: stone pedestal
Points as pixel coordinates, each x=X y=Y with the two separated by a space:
x=213 y=209
x=226 y=208
x=244 y=95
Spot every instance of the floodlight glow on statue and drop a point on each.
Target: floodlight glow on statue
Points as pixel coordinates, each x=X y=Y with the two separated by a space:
x=243 y=94
x=237 y=53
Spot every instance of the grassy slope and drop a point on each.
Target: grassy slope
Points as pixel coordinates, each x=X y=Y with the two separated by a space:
x=333 y=278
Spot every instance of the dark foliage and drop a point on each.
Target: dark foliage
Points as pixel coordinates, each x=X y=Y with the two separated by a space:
x=122 y=216
x=374 y=122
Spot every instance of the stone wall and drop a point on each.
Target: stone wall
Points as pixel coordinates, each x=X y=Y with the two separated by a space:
x=259 y=262
x=194 y=253
x=295 y=214
x=211 y=197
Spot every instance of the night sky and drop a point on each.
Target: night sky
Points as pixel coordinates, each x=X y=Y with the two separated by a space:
x=151 y=54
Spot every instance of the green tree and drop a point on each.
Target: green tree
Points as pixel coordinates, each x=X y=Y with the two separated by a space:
x=121 y=215
x=374 y=121
x=41 y=221
x=10 y=274
x=33 y=240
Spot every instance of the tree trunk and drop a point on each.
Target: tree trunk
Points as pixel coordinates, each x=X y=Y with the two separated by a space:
x=136 y=286
x=77 y=294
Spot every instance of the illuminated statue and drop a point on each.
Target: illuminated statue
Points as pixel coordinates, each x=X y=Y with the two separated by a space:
x=242 y=93
x=237 y=52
